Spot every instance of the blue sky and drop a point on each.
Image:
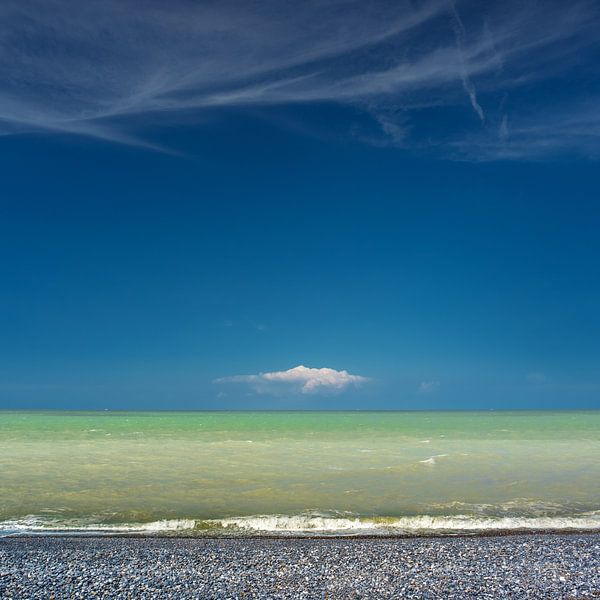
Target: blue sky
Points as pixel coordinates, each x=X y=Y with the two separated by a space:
x=199 y=198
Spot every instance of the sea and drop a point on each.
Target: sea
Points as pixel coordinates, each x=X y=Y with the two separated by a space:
x=298 y=473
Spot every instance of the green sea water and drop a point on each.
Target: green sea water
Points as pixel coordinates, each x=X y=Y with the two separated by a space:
x=201 y=473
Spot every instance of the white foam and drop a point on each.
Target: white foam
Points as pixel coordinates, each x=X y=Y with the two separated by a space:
x=315 y=524
x=33 y=524
x=407 y=525
x=431 y=460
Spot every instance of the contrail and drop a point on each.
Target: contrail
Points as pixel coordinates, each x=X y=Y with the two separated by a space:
x=459 y=34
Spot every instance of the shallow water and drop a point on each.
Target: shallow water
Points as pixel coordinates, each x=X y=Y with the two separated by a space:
x=299 y=472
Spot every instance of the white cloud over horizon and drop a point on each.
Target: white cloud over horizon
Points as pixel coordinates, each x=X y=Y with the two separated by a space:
x=305 y=380
x=91 y=68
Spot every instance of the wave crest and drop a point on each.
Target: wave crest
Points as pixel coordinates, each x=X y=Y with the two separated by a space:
x=409 y=524
x=310 y=524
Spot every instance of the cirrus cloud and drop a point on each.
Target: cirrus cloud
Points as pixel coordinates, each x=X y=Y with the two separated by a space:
x=110 y=69
x=305 y=380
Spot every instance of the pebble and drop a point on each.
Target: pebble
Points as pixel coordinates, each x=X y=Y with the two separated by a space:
x=515 y=566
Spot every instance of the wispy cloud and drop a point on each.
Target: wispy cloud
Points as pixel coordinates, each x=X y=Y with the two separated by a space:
x=574 y=127
x=428 y=387
x=301 y=379
x=89 y=68
x=460 y=34
x=536 y=378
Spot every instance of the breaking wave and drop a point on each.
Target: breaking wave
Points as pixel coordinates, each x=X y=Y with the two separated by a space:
x=41 y=525
x=309 y=524
x=408 y=524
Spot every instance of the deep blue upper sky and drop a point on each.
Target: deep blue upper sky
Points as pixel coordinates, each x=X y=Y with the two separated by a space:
x=198 y=197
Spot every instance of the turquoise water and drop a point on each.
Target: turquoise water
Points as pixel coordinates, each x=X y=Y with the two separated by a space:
x=201 y=473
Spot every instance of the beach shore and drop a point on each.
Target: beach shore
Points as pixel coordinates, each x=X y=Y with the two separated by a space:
x=514 y=566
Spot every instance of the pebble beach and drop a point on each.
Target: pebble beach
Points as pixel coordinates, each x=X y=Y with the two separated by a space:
x=514 y=566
